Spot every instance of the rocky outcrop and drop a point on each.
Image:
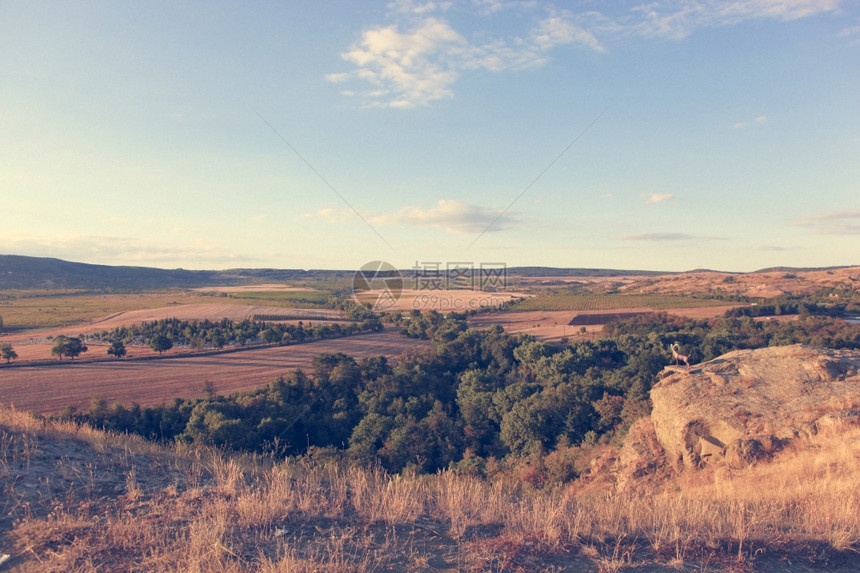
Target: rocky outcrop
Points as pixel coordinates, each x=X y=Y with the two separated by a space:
x=747 y=404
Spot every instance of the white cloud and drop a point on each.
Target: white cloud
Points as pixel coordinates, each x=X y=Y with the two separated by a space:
x=558 y=30
x=845 y=222
x=417 y=59
x=452 y=215
x=652 y=198
x=407 y=66
x=657 y=237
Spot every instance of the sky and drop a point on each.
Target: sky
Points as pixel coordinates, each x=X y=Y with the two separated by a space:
x=663 y=135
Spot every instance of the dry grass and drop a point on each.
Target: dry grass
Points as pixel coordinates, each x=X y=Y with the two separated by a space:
x=76 y=499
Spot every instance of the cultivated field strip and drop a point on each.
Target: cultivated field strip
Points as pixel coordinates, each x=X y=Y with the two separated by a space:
x=50 y=389
x=611 y=302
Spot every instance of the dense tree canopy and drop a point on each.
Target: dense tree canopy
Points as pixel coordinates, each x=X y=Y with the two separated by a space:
x=199 y=334
x=475 y=397
x=117 y=349
x=68 y=346
x=161 y=343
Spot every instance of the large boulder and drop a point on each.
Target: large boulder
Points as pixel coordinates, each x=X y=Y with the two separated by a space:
x=747 y=404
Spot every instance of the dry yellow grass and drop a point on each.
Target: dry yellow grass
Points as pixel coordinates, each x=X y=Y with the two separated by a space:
x=76 y=499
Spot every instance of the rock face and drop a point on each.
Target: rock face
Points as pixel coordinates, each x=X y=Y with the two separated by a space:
x=747 y=404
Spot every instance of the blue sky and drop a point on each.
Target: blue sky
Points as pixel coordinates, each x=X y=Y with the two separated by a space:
x=665 y=135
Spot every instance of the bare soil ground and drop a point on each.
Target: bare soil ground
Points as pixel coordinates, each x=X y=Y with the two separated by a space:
x=51 y=388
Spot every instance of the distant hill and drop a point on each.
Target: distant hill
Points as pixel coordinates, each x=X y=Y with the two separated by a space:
x=799 y=269
x=21 y=272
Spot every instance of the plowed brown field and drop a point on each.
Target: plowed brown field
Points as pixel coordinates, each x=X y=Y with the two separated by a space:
x=51 y=388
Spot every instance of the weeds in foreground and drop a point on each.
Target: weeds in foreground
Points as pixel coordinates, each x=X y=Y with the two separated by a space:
x=78 y=499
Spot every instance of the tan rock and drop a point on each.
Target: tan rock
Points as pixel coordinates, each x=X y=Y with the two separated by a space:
x=641 y=456
x=745 y=405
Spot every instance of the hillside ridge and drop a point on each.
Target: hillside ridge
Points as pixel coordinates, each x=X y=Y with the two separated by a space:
x=27 y=272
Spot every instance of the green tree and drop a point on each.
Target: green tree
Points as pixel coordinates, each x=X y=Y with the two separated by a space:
x=160 y=343
x=271 y=335
x=7 y=352
x=68 y=346
x=117 y=349
x=218 y=340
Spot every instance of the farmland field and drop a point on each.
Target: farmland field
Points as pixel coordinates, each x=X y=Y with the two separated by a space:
x=555 y=325
x=558 y=302
x=28 y=309
x=447 y=300
x=51 y=388
x=286 y=298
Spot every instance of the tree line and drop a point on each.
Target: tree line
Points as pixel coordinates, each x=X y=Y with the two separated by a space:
x=199 y=334
x=162 y=335
x=476 y=401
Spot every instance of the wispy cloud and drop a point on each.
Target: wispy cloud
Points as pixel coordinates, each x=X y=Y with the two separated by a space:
x=116 y=250
x=679 y=18
x=652 y=198
x=852 y=34
x=760 y=120
x=330 y=215
x=668 y=237
x=452 y=215
x=418 y=56
x=412 y=7
x=659 y=237
x=845 y=222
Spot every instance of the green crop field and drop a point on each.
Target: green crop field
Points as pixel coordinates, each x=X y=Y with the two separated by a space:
x=284 y=298
x=610 y=302
x=44 y=309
